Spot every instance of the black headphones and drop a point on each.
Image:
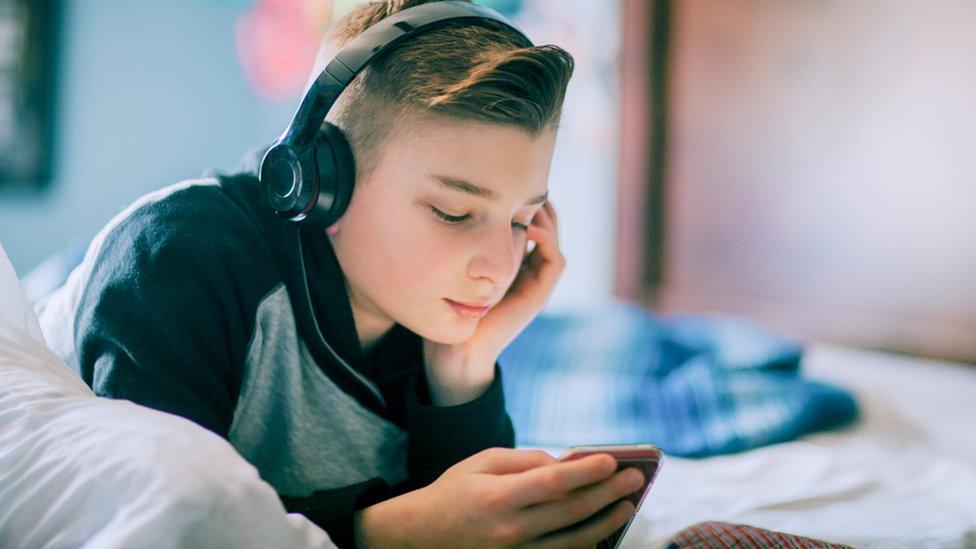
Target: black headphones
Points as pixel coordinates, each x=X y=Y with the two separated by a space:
x=308 y=174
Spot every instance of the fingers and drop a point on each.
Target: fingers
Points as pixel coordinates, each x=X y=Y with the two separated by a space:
x=580 y=504
x=556 y=480
x=551 y=208
x=590 y=532
x=546 y=216
x=545 y=219
x=501 y=461
x=546 y=259
x=546 y=262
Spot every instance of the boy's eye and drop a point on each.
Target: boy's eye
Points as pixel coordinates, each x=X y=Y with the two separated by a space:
x=455 y=219
x=452 y=219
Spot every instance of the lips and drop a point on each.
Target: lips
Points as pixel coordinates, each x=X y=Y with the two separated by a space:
x=467 y=310
x=472 y=304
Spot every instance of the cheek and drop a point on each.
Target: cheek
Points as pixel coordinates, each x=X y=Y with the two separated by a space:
x=416 y=256
x=431 y=251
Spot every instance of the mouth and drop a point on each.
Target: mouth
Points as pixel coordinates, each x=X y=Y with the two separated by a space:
x=470 y=310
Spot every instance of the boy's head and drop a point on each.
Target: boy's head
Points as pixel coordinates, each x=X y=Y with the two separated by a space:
x=461 y=106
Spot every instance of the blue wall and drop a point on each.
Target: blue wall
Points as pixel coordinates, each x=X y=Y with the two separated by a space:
x=149 y=93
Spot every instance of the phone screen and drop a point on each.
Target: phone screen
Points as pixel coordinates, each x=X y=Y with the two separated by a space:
x=646 y=458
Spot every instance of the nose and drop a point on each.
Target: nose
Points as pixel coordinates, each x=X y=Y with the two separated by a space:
x=497 y=257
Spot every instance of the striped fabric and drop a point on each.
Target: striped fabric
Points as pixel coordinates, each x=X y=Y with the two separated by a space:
x=695 y=385
x=723 y=535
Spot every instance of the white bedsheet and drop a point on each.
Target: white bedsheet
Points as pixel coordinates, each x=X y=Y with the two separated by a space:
x=79 y=470
x=904 y=476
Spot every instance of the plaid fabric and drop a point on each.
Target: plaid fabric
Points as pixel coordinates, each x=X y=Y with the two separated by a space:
x=723 y=535
x=693 y=385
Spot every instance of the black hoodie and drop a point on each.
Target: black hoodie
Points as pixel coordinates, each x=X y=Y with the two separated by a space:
x=192 y=301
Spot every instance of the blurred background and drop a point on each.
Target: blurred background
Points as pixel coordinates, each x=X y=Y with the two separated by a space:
x=808 y=165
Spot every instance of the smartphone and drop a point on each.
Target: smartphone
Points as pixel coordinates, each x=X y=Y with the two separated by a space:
x=646 y=458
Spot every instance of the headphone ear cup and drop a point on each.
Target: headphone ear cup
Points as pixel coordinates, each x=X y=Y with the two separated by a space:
x=336 y=171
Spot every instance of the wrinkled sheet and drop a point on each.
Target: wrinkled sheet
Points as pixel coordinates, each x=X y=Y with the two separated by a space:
x=79 y=470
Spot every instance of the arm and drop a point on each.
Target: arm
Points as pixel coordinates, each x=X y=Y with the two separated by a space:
x=464 y=380
x=441 y=436
x=334 y=510
x=502 y=497
x=165 y=315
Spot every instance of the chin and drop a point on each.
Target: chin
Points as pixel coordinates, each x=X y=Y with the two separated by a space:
x=451 y=331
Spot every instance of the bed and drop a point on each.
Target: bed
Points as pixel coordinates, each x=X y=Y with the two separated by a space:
x=903 y=476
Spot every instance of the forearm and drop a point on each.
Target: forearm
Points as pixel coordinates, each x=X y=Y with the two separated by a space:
x=457 y=379
x=335 y=510
x=386 y=524
x=441 y=436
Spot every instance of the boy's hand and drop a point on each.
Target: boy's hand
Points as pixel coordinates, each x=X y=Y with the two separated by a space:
x=501 y=498
x=459 y=373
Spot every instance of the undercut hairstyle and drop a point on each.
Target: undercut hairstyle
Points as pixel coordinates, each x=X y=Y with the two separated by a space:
x=459 y=71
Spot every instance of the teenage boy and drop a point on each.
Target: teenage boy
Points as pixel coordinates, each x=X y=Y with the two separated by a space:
x=356 y=367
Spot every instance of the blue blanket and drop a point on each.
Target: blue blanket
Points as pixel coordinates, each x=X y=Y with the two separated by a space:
x=694 y=385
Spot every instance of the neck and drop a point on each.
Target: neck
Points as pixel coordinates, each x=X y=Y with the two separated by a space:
x=371 y=325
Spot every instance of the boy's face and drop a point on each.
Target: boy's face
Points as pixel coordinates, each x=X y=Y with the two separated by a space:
x=402 y=261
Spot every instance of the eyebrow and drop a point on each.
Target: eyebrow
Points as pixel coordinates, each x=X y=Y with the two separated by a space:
x=481 y=192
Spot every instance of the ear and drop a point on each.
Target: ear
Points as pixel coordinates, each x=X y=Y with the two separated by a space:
x=333 y=229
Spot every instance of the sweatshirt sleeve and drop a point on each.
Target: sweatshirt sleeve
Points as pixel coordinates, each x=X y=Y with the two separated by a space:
x=440 y=436
x=334 y=510
x=168 y=307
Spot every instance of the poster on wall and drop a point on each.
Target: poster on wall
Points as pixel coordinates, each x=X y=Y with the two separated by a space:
x=27 y=71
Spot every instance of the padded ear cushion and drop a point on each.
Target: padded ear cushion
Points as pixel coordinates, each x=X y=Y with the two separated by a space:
x=336 y=171
x=282 y=181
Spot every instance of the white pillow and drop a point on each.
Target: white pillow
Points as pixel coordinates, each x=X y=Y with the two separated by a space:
x=76 y=469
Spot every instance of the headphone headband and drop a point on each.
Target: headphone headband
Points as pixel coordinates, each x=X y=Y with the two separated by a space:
x=291 y=169
x=373 y=42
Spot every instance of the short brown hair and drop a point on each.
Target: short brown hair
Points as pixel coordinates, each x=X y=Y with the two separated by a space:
x=460 y=70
